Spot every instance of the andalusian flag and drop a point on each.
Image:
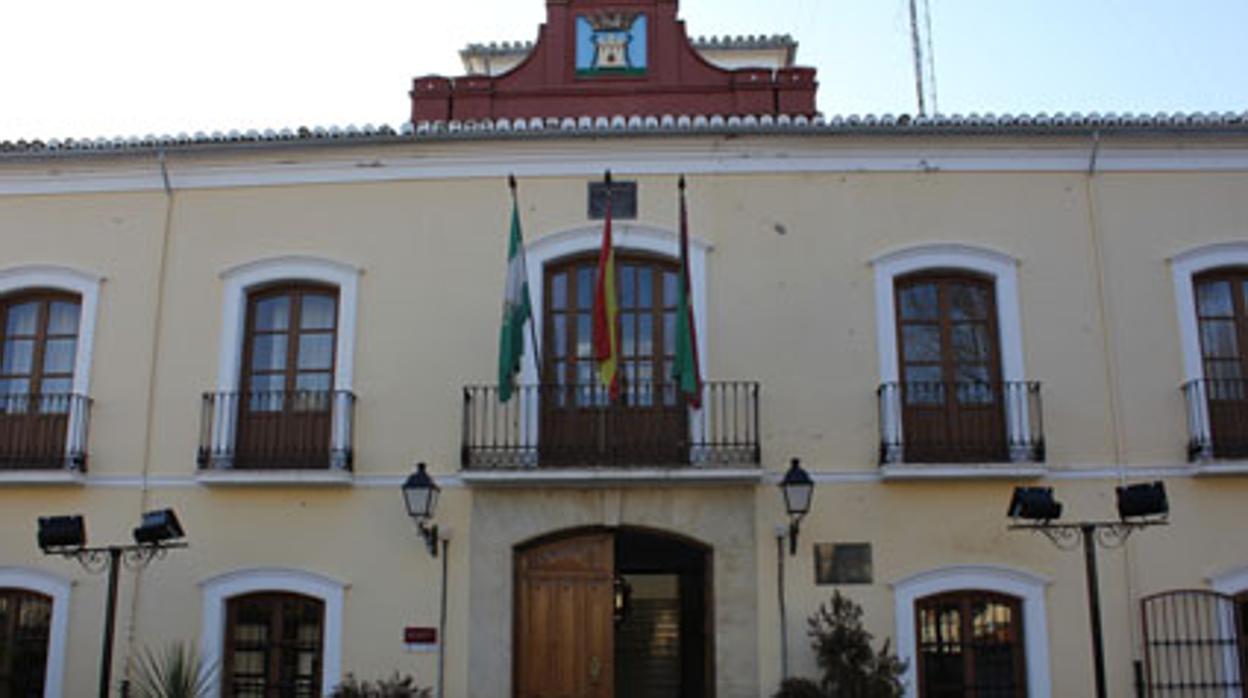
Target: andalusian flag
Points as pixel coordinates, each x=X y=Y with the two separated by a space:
x=606 y=310
x=517 y=308
x=685 y=371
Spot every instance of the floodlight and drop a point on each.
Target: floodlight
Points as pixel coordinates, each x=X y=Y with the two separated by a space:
x=60 y=533
x=1141 y=500
x=158 y=527
x=1034 y=503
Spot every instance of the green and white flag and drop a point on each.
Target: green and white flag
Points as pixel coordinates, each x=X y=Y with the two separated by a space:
x=517 y=310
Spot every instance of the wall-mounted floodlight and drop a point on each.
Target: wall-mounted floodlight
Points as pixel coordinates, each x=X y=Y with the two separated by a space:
x=158 y=527
x=1143 y=500
x=58 y=534
x=1034 y=504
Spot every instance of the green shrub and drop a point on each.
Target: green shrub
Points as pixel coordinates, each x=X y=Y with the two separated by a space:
x=851 y=667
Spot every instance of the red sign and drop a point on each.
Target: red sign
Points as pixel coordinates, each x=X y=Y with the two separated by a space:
x=420 y=636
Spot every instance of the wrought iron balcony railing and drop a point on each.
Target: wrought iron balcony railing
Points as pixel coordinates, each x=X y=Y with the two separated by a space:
x=580 y=426
x=960 y=422
x=277 y=430
x=1217 y=418
x=44 y=431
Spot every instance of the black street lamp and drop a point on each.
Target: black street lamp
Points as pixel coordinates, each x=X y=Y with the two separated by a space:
x=420 y=494
x=1139 y=506
x=798 y=490
x=66 y=536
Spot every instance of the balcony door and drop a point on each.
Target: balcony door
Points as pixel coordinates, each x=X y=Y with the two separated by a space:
x=40 y=341
x=1221 y=297
x=648 y=423
x=286 y=405
x=951 y=390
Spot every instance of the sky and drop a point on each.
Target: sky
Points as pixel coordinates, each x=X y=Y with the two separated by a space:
x=86 y=68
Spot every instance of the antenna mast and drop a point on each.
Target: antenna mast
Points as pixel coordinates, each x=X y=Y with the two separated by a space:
x=924 y=56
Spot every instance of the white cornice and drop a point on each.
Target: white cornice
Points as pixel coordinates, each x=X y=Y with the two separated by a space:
x=632 y=157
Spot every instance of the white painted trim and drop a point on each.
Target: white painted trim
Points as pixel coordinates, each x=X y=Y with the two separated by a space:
x=1184 y=267
x=984 y=471
x=579 y=156
x=220 y=589
x=238 y=281
x=626 y=236
x=1002 y=268
x=42 y=477
x=581 y=477
x=271 y=478
x=1232 y=582
x=58 y=589
x=1026 y=586
x=87 y=286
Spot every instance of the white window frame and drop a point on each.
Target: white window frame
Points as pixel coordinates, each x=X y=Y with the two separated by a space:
x=57 y=588
x=1231 y=583
x=217 y=591
x=1027 y=587
x=1003 y=270
x=1184 y=268
x=239 y=282
x=627 y=237
x=87 y=287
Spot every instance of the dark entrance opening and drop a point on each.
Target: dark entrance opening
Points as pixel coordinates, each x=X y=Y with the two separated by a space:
x=662 y=626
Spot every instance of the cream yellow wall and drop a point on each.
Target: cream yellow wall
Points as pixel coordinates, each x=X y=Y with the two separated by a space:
x=791 y=305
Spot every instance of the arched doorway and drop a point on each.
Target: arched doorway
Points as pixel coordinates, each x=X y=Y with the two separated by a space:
x=601 y=613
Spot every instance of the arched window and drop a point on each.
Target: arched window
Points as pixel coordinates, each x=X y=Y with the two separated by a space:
x=970 y=644
x=1222 y=322
x=648 y=423
x=38 y=355
x=25 y=630
x=953 y=387
x=284 y=398
x=950 y=368
x=273 y=646
x=286 y=387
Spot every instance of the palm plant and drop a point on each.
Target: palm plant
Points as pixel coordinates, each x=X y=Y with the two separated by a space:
x=176 y=672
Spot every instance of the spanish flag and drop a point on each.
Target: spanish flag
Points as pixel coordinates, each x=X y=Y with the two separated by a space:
x=606 y=310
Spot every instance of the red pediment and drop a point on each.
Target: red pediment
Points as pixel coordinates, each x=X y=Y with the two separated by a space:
x=606 y=58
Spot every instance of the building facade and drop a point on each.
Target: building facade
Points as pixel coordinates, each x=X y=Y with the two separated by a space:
x=265 y=331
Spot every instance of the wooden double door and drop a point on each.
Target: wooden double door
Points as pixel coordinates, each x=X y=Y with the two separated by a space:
x=613 y=614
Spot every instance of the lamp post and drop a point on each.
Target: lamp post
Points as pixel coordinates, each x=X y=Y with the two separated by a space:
x=420 y=495
x=66 y=536
x=798 y=489
x=1139 y=506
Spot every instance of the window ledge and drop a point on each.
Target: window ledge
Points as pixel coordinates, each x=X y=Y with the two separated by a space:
x=963 y=471
x=42 y=477
x=1220 y=468
x=612 y=477
x=275 y=478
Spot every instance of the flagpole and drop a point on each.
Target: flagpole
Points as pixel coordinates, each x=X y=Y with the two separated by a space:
x=524 y=265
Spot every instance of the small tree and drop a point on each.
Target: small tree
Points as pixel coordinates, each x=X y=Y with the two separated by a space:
x=851 y=667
